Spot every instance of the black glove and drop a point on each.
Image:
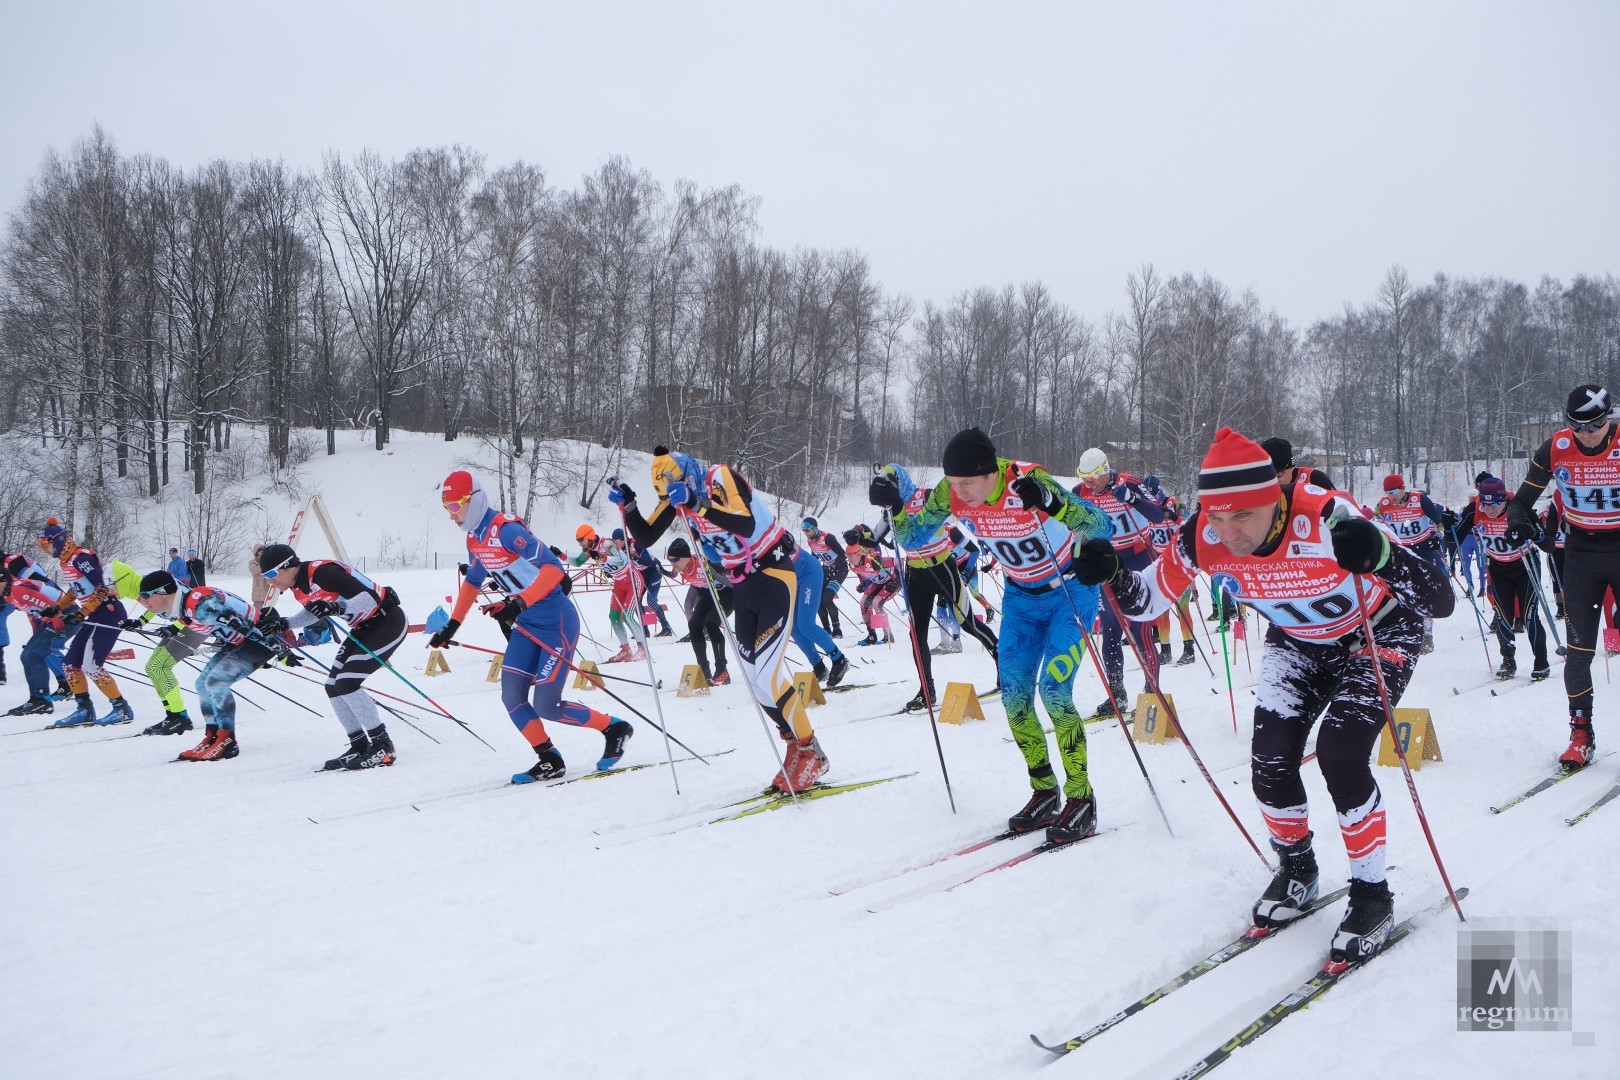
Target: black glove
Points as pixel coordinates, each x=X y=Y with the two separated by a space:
x=884 y=491
x=166 y=631
x=270 y=622
x=1360 y=546
x=505 y=610
x=562 y=556
x=72 y=616
x=462 y=568
x=1096 y=562
x=290 y=660
x=444 y=635
x=1033 y=494
x=132 y=625
x=1448 y=519
x=1124 y=494
x=322 y=609
x=1519 y=533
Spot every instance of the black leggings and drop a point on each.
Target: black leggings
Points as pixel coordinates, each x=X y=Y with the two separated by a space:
x=1512 y=593
x=941 y=582
x=1587 y=575
x=705 y=629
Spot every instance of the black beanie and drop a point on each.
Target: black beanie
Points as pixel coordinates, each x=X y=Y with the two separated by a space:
x=1281 y=452
x=1588 y=402
x=158 y=583
x=970 y=453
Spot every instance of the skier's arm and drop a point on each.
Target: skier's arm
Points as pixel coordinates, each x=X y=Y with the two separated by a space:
x=646 y=530
x=1430 y=510
x=358 y=601
x=1521 y=509
x=1141 y=502
x=1417 y=583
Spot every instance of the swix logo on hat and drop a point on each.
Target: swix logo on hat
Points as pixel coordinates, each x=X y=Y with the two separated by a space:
x=457 y=489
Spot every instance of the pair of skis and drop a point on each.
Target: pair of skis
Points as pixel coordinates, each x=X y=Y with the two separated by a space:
x=1295 y=1000
x=1552 y=780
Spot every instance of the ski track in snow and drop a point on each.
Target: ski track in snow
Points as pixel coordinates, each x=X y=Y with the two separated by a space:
x=188 y=920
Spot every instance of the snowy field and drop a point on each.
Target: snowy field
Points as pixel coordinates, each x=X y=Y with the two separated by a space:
x=182 y=920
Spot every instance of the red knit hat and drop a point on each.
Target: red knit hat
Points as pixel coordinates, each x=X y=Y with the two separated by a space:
x=1394 y=482
x=1237 y=474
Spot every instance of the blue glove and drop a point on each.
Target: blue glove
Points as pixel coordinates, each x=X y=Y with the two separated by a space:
x=1124 y=494
x=622 y=495
x=679 y=494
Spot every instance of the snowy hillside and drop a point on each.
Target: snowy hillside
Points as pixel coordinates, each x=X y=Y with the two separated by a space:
x=251 y=918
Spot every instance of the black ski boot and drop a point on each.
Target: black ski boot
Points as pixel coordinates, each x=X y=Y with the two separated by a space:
x=1366 y=923
x=840 y=668
x=1188 y=654
x=1541 y=670
x=1509 y=667
x=380 y=751
x=871 y=638
x=31 y=707
x=614 y=736
x=549 y=767
x=359 y=747
x=1038 y=813
x=819 y=670
x=1165 y=655
x=1292 y=887
x=1078 y=821
x=1106 y=710
x=173 y=723
x=919 y=703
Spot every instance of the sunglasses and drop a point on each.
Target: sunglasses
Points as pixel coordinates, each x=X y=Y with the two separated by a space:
x=1493 y=501
x=1588 y=425
x=147 y=594
x=275 y=571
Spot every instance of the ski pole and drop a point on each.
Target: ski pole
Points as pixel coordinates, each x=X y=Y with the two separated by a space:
x=1395 y=737
x=916 y=656
x=637 y=583
x=1226 y=662
x=390 y=711
x=1170 y=710
x=1541 y=598
x=338 y=625
x=594 y=674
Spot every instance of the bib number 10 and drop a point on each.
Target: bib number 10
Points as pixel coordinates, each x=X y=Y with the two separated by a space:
x=1326 y=608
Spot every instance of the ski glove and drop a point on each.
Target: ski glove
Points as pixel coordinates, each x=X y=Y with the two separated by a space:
x=1124 y=494
x=1359 y=546
x=270 y=621
x=132 y=625
x=1096 y=562
x=290 y=660
x=623 y=495
x=1034 y=495
x=679 y=494
x=504 y=610
x=444 y=635
x=885 y=492
x=323 y=609
x=1519 y=533
x=72 y=617
x=1448 y=519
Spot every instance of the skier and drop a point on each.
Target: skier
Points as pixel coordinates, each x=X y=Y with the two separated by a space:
x=703 y=619
x=546 y=626
x=931 y=572
x=177 y=567
x=1584 y=461
x=91 y=583
x=968 y=555
x=1029 y=521
x=377 y=626
x=1292 y=469
x=1308 y=560
x=194 y=568
x=177 y=641
x=1553 y=541
x=246 y=646
x=1510 y=582
x=1415 y=520
x=808 y=635
x=616 y=564
x=50 y=611
x=878 y=584
x=834 y=569
x=1160 y=537
x=717 y=504
x=1120 y=497
x=652 y=579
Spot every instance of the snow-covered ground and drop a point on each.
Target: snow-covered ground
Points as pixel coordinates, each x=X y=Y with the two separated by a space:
x=193 y=920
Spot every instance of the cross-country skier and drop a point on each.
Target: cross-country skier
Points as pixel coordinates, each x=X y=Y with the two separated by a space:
x=545 y=626
x=1120 y=496
x=1028 y=521
x=834 y=569
x=245 y=646
x=931 y=572
x=377 y=625
x=1160 y=537
x=702 y=617
x=91 y=583
x=1414 y=518
x=1510 y=584
x=49 y=609
x=177 y=642
x=623 y=617
x=721 y=508
x=808 y=635
x=877 y=585
x=1584 y=461
x=1308 y=560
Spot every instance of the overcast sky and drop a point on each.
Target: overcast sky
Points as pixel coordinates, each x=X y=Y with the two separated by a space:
x=1297 y=149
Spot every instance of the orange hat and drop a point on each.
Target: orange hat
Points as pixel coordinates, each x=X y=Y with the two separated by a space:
x=585 y=534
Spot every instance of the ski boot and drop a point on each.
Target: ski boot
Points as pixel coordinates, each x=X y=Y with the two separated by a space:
x=640 y=653
x=1582 y=745
x=120 y=713
x=888 y=637
x=1077 y=821
x=721 y=678
x=989 y=614
x=1541 y=670
x=380 y=752
x=83 y=716
x=1509 y=667
x=1292 y=887
x=549 y=767
x=819 y=670
x=840 y=668
x=173 y=723
x=217 y=744
x=1107 y=710
x=1188 y=654
x=948 y=646
x=871 y=638
x=802 y=765
x=62 y=693
x=34 y=705
x=918 y=703
x=837 y=631
x=1165 y=655
x=615 y=735
x=623 y=656
x=684 y=638
x=359 y=747
x=665 y=632
x=1366 y=923
x=1041 y=810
